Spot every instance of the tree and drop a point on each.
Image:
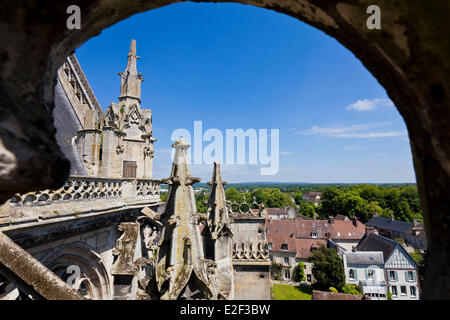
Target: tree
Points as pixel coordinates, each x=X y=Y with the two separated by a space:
x=298 y=197
x=403 y=211
x=275 y=270
x=328 y=269
x=417 y=256
x=277 y=199
x=307 y=209
x=200 y=199
x=299 y=272
x=329 y=201
x=350 y=288
x=163 y=196
x=232 y=194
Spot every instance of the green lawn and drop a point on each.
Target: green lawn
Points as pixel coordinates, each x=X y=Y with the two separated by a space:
x=287 y=292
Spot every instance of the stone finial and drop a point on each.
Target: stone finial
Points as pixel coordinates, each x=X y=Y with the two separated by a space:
x=130 y=84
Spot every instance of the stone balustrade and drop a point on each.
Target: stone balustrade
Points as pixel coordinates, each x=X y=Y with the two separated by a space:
x=78 y=197
x=251 y=251
x=79 y=188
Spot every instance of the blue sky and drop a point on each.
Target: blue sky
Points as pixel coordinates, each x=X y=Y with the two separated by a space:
x=235 y=66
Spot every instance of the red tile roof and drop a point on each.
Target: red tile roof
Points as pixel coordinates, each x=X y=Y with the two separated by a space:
x=275 y=210
x=305 y=247
x=339 y=229
x=278 y=240
x=347 y=230
x=308 y=228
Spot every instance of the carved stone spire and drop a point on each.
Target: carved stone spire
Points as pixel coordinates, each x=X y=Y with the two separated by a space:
x=217 y=235
x=130 y=82
x=217 y=211
x=181 y=271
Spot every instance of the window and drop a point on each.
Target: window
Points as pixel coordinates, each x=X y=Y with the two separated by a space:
x=412 y=291
x=351 y=274
x=370 y=274
x=270 y=245
x=409 y=275
x=287 y=274
x=314 y=234
x=308 y=277
x=403 y=290
x=286 y=260
x=392 y=275
x=129 y=169
x=284 y=246
x=394 y=291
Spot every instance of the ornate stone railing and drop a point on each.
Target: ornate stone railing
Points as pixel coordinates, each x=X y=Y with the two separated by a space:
x=79 y=197
x=147 y=188
x=245 y=210
x=251 y=252
x=88 y=188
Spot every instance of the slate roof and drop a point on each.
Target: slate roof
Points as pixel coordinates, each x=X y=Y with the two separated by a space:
x=376 y=242
x=388 y=224
x=364 y=257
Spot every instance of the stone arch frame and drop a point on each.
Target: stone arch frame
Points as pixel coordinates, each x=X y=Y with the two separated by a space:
x=408 y=56
x=92 y=267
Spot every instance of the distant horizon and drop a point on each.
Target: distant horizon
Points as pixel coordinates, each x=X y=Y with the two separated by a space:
x=308 y=183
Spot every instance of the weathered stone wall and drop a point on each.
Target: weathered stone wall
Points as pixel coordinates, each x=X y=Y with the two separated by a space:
x=248 y=230
x=251 y=282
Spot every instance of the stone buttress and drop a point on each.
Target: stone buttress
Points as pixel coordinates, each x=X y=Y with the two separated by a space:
x=182 y=271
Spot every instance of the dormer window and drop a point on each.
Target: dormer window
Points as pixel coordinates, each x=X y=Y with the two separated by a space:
x=284 y=246
x=314 y=234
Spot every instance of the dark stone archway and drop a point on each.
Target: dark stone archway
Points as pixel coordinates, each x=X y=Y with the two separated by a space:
x=409 y=57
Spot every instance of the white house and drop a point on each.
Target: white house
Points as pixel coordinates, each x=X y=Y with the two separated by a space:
x=401 y=271
x=366 y=268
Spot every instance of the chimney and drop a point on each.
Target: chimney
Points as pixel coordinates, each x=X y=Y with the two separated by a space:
x=392 y=217
x=414 y=222
x=314 y=216
x=353 y=249
x=355 y=221
x=370 y=230
x=331 y=219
